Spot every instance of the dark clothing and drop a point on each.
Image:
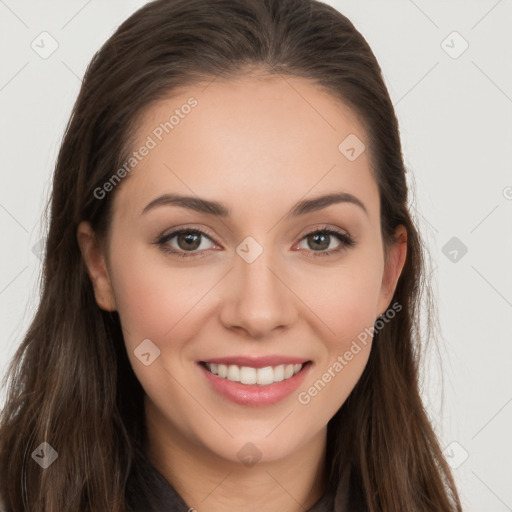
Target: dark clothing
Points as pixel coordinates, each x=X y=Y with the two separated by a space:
x=148 y=491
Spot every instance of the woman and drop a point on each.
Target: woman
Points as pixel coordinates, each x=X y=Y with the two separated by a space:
x=229 y=310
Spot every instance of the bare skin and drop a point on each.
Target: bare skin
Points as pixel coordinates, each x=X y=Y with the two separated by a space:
x=258 y=147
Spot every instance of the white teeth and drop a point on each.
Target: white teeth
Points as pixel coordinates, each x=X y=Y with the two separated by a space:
x=248 y=375
x=223 y=370
x=279 y=373
x=233 y=373
x=265 y=376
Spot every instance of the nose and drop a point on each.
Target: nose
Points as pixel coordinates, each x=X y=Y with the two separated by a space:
x=257 y=298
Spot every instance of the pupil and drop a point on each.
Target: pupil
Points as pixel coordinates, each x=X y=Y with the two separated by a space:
x=189 y=238
x=316 y=237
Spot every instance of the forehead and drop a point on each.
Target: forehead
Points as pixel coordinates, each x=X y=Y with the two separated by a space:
x=247 y=142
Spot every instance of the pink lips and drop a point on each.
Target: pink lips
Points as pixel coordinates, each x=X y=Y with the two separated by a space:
x=254 y=394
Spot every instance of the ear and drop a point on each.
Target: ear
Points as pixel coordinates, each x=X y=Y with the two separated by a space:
x=393 y=266
x=95 y=261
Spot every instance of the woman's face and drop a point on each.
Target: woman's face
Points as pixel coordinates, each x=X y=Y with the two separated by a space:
x=247 y=283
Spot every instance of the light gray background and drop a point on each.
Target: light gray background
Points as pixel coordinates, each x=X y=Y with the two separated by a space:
x=455 y=118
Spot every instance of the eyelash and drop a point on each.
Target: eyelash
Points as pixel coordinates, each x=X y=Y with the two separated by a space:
x=346 y=242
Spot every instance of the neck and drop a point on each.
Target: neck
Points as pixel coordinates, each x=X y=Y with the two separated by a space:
x=207 y=481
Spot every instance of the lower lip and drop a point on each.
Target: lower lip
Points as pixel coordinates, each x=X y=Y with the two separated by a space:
x=253 y=394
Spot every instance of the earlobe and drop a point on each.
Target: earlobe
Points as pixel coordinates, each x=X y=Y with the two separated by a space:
x=95 y=262
x=395 y=261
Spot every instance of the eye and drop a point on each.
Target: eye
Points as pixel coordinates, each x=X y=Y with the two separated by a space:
x=320 y=240
x=187 y=241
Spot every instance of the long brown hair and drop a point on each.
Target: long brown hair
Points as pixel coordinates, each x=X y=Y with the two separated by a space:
x=70 y=382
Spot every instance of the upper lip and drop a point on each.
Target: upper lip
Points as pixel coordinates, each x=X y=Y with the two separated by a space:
x=256 y=362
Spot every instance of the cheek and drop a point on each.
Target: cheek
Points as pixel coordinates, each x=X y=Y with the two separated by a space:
x=346 y=306
x=157 y=302
x=331 y=384
x=345 y=298
x=349 y=312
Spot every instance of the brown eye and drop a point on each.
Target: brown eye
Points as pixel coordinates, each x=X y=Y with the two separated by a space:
x=188 y=241
x=184 y=241
x=318 y=242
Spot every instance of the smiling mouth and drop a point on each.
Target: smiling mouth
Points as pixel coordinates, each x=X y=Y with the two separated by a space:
x=259 y=376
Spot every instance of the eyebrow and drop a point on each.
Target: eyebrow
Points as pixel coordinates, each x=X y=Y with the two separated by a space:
x=219 y=210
